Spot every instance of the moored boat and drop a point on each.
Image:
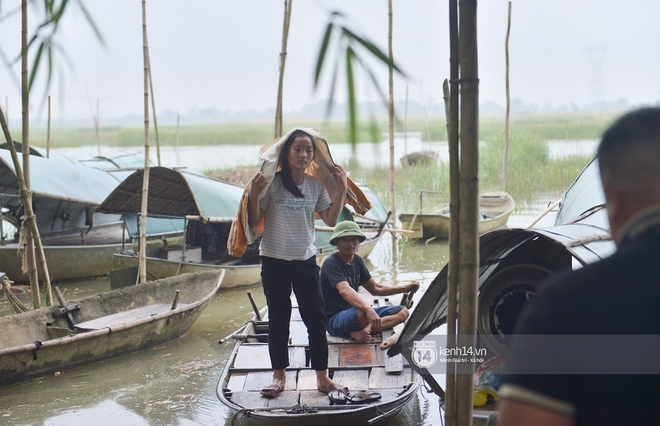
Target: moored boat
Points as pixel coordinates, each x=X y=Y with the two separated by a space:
x=95 y=328
x=208 y=207
x=494 y=211
x=78 y=241
x=361 y=367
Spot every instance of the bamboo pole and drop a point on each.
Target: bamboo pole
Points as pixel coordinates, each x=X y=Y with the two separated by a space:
x=508 y=105
x=29 y=221
x=142 y=259
x=468 y=201
x=25 y=138
x=153 y=109
x=391 y=112
x=280 y=86
x=454 y=230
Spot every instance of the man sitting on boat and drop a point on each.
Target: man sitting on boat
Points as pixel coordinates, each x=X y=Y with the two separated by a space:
x=348 y=313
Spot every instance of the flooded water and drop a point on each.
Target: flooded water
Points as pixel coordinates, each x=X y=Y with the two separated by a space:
x=370 y=154
x=174 y=384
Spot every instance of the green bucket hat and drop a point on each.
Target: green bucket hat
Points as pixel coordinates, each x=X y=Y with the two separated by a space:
x=347 y=228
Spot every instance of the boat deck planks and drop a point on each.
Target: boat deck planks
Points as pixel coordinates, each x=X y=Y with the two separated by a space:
x=125 y=317
x=352 y=379
x=357 y=355
x=357 y=366
x=306 y=380
x=379 y=378
x=394 y=364
x=256 y=380
x=256 y=356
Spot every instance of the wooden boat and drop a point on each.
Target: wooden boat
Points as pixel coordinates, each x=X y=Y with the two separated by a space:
x=78 y=241
x=358 y=366
x=109 y=324
x=208 y=206
x=419 y=158
x=494 y=211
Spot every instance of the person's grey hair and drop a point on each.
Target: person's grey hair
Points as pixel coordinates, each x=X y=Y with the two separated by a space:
x=629 y=153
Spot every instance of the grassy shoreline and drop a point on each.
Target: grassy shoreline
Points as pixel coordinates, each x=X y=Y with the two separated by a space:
x=531 y=171
x=545 y=126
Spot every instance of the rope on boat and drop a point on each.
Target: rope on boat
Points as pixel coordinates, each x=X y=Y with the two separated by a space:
x=13 y=300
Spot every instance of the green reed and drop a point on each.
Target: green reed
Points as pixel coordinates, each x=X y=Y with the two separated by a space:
x=530 y=172
x=547 y=126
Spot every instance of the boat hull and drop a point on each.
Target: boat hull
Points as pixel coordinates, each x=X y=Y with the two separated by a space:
x=358 y=366
x=235 y=275
x=64 y=262
x=494 y=212
x=109 y=324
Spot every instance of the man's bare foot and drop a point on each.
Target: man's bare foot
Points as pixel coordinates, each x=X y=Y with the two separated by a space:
x=361 y=335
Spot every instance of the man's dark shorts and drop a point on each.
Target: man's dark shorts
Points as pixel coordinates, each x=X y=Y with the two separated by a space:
x=344 y=322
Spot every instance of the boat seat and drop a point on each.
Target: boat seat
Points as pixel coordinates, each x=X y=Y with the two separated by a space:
x=125 y=317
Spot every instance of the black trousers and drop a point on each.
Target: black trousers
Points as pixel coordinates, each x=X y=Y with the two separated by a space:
x=278 y=278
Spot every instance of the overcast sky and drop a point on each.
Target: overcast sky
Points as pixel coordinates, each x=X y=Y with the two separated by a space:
x=224 y=54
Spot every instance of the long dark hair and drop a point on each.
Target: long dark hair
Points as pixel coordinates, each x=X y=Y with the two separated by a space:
x=285 y=172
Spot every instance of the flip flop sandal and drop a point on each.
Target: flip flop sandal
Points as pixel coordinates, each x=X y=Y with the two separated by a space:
x=337 y=397
x=271 y=391
x=364 y=397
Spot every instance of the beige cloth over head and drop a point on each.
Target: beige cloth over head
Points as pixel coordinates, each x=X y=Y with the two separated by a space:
x=241 y=234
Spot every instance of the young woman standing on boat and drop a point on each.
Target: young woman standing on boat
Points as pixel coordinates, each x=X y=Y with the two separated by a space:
x=288 y=255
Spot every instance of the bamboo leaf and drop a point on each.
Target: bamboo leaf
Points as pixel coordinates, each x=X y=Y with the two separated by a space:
x=373 y=127
x=352 y=104
x=92 y=24
x=333 y=86
x=35 y=65
x=322 y=53
x=374 y=80
x=373 y=49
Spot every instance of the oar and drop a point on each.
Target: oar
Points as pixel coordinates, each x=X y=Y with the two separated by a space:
x=235 y=332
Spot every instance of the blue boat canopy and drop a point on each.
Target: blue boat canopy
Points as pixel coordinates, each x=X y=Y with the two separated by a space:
x=74 y=183
x=175 y=193
x=123 y=160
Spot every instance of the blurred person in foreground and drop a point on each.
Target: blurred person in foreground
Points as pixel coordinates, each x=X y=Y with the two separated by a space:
x=614 y=300
x=342 y=274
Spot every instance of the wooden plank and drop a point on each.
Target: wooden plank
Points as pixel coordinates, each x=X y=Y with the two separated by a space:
x=314 y=398
x=236 y=382
x=333 y=356
x=338 y=340
x=249 y=399
x=298 y=333
x=286 y=399
x=252 y=357
x=256 y=380
x=352 y=379
x=297 y=357
x=357 y=355
x=306 y=380
x=379 y=379
x=124 y=317
x=393 y=364
x=257 y=357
